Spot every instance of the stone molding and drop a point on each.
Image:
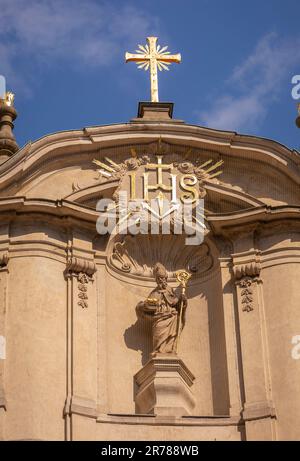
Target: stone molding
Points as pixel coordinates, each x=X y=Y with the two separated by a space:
x=250 y=269
x=79 y=265
x=80 y=406
x=159 y=364
x=69 y=213
x=152 y=420
x=246 y=271
x=258 y=410
x=83 y=406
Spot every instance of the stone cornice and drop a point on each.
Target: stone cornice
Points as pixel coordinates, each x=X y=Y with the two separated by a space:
x=81 y=406
x=151 y=420
x=258 y=410
x=230 y=223
x=250 y=269
x=12 y=206
x=221 y=224
x=171 y=364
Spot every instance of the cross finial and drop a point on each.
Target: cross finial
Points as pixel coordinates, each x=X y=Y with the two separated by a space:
x=153 y=56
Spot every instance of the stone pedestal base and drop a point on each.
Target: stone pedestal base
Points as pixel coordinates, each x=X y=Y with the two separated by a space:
x=164 y=387
x=149 y=112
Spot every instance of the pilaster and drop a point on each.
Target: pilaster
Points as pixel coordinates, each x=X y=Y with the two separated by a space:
x=3 y=309
x=82 y=331
x=258 y=411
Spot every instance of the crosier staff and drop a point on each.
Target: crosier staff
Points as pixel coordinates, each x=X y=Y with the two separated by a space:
x=183 y=278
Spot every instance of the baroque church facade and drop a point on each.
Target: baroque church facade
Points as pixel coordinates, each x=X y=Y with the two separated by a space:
x=80 y=360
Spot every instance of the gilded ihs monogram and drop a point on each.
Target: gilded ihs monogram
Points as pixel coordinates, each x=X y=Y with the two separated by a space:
x=161 y=177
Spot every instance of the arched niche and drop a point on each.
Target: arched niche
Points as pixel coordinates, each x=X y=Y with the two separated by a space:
x=202 y=346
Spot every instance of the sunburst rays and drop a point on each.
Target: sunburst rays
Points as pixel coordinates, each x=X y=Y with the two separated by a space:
x=160 y=53
x=210 y=172
x=107 y=170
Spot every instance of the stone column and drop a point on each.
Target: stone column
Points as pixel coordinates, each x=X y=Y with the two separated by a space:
x=258 y=412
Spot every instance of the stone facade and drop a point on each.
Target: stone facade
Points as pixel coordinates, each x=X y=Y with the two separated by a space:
x=71 y=342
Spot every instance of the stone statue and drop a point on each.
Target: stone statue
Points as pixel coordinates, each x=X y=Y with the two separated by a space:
x=166 y=311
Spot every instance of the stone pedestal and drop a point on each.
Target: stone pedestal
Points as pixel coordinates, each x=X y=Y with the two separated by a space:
x=149 y=112
x=163 y=387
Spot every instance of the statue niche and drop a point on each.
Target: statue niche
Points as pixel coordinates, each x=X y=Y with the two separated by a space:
x=164 y=383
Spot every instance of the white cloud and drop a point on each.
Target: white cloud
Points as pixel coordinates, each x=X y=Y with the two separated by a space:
x=85 y=33
x=254 y=85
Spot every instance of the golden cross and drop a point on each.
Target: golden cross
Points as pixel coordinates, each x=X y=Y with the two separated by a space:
x=159 y=166
x=153 y=56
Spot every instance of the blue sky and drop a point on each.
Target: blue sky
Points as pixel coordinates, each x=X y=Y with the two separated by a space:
x=64 y=59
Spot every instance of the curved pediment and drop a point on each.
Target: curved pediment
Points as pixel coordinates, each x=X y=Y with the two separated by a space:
x=60 y=166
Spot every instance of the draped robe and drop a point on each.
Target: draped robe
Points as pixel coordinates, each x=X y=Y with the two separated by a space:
x=164 y=318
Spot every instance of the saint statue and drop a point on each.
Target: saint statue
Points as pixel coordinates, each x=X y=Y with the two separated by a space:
x=166 y=311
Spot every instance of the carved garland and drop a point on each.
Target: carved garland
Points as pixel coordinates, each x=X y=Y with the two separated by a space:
x=246 y=294
x=84 y=271
x=246 y=275
x=83 y=281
